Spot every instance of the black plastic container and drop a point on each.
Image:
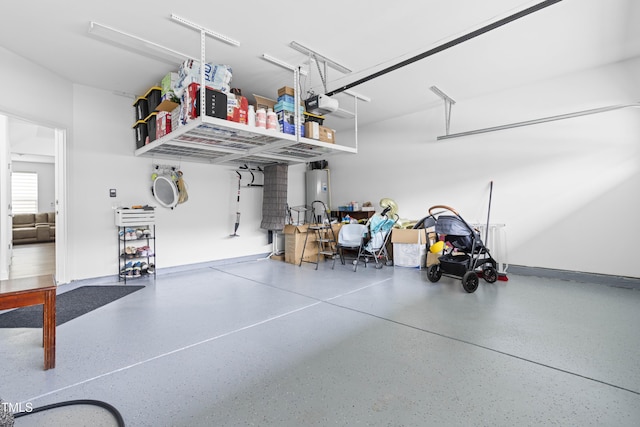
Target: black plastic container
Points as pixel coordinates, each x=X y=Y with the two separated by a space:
x=151 y=121
x=309 y=117
x=215 y=104
x=142 y=108
x=319 y=164
x=140 y=133
x=154 y=98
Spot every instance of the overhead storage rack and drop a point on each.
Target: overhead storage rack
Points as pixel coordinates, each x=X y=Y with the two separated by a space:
x=216 y=141
x=213 y=140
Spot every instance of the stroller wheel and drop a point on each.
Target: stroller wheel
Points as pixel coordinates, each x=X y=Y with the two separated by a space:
x=470 y=281
x=434 y=273
x=378 y=265
x=490 y=274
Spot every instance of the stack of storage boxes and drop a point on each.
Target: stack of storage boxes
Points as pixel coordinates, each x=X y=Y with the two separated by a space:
x=314 y=130
x=160 y=111
x=146 y=116
x=141 y=107
x=285 y=109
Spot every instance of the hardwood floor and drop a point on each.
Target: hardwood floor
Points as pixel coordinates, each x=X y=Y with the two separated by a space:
x=33 y=259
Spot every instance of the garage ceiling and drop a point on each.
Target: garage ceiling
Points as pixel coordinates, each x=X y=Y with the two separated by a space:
x=365 y=36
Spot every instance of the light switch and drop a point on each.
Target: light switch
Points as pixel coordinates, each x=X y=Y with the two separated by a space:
x=112 y=192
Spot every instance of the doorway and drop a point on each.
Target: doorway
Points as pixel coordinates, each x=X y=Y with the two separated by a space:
x=34 y=153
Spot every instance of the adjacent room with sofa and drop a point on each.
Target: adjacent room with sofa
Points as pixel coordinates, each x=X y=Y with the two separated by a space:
x=34 y=228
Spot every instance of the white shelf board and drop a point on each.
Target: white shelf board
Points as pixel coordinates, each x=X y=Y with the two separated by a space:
x=216 y=141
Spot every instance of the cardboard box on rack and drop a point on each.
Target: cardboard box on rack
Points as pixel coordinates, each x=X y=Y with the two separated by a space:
x=327 y=134
x=262 y=102
x=312 y=130
x=285 y=90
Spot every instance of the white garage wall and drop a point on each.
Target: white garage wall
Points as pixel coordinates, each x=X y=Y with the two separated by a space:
x=567 y=190
x=33 y=92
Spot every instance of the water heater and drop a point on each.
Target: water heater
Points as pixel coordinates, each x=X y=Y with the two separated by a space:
x=317 y=186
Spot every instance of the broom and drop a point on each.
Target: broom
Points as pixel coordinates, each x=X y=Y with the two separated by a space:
x=501 y=276
x=237 y=224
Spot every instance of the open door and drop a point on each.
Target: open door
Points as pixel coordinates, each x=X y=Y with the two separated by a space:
x=5 y=201
x=60 y=206
x=53 y=136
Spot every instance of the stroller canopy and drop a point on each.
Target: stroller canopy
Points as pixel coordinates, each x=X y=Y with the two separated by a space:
x=380 y=224
x=458 y=233
x=380 y=227
x=452 y=225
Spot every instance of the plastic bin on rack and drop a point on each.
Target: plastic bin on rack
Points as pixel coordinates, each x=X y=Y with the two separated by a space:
x=141 y=133
x=151 y=125
x=133 y=217
x=153 y=97
x=141 y=106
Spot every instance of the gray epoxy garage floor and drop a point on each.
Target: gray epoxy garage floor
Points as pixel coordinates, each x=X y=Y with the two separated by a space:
x=265 y=343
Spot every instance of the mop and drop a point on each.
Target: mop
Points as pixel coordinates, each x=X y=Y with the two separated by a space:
x=235 y=229
x=501 y=276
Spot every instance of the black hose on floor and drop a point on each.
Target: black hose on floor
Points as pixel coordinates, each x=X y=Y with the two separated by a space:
x=116 y=414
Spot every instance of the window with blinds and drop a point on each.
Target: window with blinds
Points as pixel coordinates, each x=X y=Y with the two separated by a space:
x=24 y=192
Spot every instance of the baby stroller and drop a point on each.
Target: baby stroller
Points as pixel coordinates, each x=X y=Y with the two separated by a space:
x=463 y=253
x=380 y=227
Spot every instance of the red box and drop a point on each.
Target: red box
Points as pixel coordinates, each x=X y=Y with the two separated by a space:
x=238 y=109
x=163 y=124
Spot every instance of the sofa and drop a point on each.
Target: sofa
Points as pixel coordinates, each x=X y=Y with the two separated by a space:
x=34 y=228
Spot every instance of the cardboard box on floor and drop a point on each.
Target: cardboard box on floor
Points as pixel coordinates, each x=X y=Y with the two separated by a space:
x=431 y=239
x=432 y=259
x=294 y=237
x=409 y=247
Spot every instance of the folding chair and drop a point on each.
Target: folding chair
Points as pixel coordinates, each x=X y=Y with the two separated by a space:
x=351 y=237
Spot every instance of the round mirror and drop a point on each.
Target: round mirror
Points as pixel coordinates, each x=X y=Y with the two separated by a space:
x=165 y=191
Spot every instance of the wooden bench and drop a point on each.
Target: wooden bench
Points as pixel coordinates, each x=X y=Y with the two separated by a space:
x=29 y=291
